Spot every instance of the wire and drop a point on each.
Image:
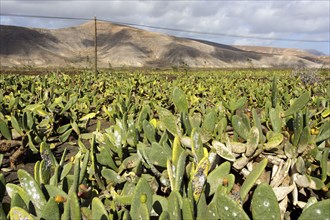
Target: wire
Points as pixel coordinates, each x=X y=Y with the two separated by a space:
x=171 y=29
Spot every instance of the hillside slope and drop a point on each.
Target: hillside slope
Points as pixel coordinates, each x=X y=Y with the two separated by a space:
x=120 y=46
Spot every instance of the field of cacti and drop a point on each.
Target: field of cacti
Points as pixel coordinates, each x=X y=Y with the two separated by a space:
x=248 y=144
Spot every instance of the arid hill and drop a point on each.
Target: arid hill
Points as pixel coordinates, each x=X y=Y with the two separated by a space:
x=123 y=46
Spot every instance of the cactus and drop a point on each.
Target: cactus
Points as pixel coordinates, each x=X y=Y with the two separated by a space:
x=169 y=121
x=51 y=210
x=180 y=169
x=257 y=123
x=2 y=213
x=111 y=176
x=199 y=177
x=216 y=177
x=174 y=206
x=17 y=201
x=275 y=119
x=142 y=200
x=180 y=100
x=252 y=178
x=98 y=209
x=298 y=127
x=2 y=186
x=324 y=133
x=264 y=203
x=4 y=130
x=73 y=206
x=19 y=213
x=275 y=92
x=252 y=141
x=187 y=209
x=144 y=113
x=208 y=126
x=223 y=151
x=32 y=189
x=197 y=146
x=324 y=164
x=297 y=104
x=227 y=208
x=319 y=210
x=240 y=127
x=304 y=139
x=149 y=131
x=185 y=121
x=201 y=207
x=274 y=141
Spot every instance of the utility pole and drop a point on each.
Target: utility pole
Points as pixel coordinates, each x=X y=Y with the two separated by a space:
x=95 y=46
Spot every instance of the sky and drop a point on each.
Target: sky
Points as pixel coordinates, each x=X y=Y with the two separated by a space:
x=278 y=19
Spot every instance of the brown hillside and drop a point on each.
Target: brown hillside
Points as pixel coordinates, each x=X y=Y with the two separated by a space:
x=120 y=46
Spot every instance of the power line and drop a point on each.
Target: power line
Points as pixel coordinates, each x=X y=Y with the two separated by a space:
x=170 y=29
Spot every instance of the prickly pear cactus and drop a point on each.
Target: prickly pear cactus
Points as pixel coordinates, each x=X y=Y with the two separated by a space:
x=252 y=178
x=319 y=210
x=229 y=209
x=142 y=200
x=264 y=203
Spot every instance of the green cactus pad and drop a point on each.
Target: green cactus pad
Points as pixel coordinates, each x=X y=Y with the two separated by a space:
x=51 y=210
x=174 y=207
x=252 y=178
x=298 y=104
x=229 y=209
x=275 y=119
x=208 y=126
x=17 y=201
x=98 y=209
x=19 y=213
x=168 y=120
x=141 y=210
x=319 y=210
x=215 y=178
x=2 y=185
x=274 y=141
x=32 y=189
x=180 y=100
x=264 y=203
x=111 y=176
x=240 y=127
x=4 y=130
x=199 y=177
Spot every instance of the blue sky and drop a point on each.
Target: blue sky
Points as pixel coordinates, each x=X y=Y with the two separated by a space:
x=300 y=20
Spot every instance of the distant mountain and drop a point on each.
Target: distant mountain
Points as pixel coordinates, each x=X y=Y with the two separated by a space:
x=315 y=52
x=123 y=46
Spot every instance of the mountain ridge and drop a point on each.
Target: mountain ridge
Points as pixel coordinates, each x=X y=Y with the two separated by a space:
x=125 y=46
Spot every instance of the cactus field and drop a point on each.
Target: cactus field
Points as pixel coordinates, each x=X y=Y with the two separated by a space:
x=144 y=144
